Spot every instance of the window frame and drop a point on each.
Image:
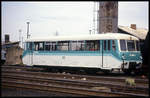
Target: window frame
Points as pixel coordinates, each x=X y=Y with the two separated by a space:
x=134 y=45
x=124 y=44
x=137 y=48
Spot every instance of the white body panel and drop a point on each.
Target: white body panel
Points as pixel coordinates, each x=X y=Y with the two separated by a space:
x=109 y=62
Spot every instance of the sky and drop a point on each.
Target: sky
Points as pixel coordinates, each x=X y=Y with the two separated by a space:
x=65 y=18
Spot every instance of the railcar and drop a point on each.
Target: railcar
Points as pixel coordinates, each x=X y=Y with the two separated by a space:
x=109 y=51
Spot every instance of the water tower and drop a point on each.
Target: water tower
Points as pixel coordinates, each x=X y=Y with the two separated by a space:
x=108 y=17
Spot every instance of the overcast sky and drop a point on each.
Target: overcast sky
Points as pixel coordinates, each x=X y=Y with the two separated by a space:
x=66 y=18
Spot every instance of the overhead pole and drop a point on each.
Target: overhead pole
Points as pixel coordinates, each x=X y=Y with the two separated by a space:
x=28 y=29
x=94 y=9
x=20 y=34
x=95 y=17
x=20 y=37
x=98 y=17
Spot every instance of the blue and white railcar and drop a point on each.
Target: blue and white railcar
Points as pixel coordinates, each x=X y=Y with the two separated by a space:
x=107 y=51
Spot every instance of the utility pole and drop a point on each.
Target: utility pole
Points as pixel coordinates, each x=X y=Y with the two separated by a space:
x=28 y=29
x=19 y=34
x=95 y=17
x=20 y=37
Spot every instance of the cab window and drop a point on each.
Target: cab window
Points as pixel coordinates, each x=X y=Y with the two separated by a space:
x=137 y=45
x=123 y=45
x=131 y=45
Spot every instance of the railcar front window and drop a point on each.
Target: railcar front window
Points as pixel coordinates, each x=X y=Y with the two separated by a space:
x=41 y=46
x=131 y=45
x=137 y=45
x=123 y=45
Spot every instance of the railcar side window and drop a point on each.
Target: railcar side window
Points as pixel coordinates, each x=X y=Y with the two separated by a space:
x=29 y=46
x=47 y=46
x=50 y=46
x=108 y=44
x=104 y=44
x=92 y=45
x=123 y=45
x=97 y=45
x=113 y=45
x=131 y=45
x=89 y=45
x=36 y=46
x=73 y=45
x=63 y=46
x=78 y=45
x=53 y=46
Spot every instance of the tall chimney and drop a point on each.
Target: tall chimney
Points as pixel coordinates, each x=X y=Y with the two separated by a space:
x=133 y=26
x=108 y=16
x=6 y=38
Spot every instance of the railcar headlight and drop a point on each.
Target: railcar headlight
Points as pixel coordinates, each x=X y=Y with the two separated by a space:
x=141 y=57
x=123 y=57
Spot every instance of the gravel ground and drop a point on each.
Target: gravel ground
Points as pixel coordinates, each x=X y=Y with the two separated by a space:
x=8 y=92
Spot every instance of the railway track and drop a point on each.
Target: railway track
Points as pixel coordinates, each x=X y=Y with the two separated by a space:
x=143 y=82
x=74 y=84
x=37 y=69
x=21 y=67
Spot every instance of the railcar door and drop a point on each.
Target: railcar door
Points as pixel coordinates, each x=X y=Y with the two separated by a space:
x=104 y=54
x=30 y=50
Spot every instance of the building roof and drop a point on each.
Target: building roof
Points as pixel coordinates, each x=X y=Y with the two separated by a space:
x=9 y=44
x=85 y=37
x=139 y=32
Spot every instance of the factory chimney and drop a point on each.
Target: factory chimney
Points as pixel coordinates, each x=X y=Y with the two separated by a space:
x=133 y=26
x=108 y=16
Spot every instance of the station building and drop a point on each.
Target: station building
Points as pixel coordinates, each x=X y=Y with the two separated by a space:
x=11 y=52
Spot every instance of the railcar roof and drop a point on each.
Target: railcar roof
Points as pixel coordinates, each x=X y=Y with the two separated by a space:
x=85 y=37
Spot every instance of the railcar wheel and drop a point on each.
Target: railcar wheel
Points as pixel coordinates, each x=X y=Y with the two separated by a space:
x=127 y=71
x=106 y=71
x=90 y=72
x=138 y=71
